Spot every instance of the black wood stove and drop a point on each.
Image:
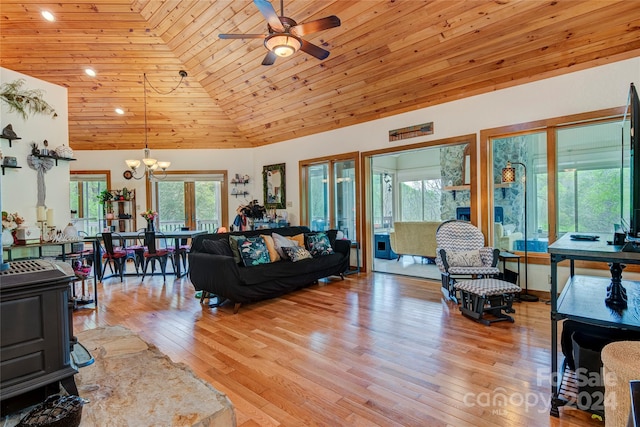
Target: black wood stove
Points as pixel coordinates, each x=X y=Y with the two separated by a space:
x=36 y=333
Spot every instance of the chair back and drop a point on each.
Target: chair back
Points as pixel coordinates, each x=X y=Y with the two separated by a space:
x=455 y=235
x=155 y=241
x=108 y=239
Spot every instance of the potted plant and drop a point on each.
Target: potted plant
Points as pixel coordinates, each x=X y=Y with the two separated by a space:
x=103 y=197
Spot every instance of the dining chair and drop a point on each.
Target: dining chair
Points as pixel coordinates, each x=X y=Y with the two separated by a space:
x=155 y=243
x=112 y=254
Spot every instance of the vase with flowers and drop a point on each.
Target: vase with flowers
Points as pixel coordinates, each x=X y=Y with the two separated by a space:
x=10 y=222
x=150 y=215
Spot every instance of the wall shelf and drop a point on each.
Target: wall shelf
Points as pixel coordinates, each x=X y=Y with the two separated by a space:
x=56 y=158
x=455 y=188
x=10 y=139
x=9 y=167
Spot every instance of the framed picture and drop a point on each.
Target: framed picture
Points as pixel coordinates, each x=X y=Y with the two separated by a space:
x=274 y=186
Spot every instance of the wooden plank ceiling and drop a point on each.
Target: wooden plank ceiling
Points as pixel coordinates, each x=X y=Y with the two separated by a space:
x=387 y=57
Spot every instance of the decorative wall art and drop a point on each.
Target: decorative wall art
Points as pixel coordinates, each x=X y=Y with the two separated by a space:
x=274 y=186
x=411 y=132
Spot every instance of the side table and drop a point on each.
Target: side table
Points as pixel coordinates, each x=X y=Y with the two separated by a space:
x=509 y=256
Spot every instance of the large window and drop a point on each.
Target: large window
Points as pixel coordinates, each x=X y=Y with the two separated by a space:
x=193 y=200
x=420 y=200
x=576 y=181
x=329 y=189
x=84 y=188
x=590 y=174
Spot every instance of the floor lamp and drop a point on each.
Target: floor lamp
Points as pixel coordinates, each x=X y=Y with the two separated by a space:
x=509 y=175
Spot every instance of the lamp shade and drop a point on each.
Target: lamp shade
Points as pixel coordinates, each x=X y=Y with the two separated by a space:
x=509 y=173
x=282 y=45
x=133 y=163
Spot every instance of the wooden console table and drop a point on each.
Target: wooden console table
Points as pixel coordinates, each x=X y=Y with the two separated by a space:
x=583 y=297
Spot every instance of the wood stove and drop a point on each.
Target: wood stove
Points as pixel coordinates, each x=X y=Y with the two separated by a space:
x=36 y=336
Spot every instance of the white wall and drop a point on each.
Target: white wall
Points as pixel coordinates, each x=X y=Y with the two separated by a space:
x=18 y=187
x=588 y=90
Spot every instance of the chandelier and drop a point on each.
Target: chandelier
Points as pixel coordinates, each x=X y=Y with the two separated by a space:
x=151 y=165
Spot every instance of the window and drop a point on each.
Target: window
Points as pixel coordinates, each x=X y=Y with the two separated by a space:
x=420 y=200
x=329 y=194
x=577 y=179
x=191 y=199
x=383 y=195
x=590 y=174
x=84 y=188
x=527 y=153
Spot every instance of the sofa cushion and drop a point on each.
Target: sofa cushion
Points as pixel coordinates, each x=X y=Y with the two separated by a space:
x=464 y=259
x=253 y=251
x=294 y=273
x=296 y=253
x=273 y=254
x=217 y=247
x=318 y=244
x=280 y=242
x=233 y=243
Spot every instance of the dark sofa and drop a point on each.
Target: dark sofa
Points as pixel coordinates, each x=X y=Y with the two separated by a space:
x=221 y=276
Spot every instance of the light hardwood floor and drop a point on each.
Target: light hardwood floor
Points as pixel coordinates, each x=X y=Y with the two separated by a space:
x=372 y=350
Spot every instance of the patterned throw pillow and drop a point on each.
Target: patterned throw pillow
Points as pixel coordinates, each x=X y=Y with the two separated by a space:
x=296 y=253
x=253 y=251
x=464 y=259
x=280 y=242
x=319 y=244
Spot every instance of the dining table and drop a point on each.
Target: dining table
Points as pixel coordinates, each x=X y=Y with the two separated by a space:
x=177 y=235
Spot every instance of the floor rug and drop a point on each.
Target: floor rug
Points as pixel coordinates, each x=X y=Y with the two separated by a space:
x=131 y=383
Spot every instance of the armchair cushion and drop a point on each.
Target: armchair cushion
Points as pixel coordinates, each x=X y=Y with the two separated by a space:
x=464 y=258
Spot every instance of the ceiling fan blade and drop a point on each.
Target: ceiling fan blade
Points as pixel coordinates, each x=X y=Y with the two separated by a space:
x=314 y=50
x=269 y=58
x=242 y=36
x=270 y=15
x=314 y=26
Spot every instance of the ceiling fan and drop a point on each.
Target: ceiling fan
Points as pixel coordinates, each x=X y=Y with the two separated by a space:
x=285 y=34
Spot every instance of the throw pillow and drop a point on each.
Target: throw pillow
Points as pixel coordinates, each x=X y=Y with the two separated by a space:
x=233 y=243
x=296 y=253
x=318 y=244
x=464 y=259
x=299 y=238
x=217 y=247
x=253 y=251
x=280 y=242
x=271 y=247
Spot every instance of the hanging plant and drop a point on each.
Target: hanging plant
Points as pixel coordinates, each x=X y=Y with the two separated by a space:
x=25 y=101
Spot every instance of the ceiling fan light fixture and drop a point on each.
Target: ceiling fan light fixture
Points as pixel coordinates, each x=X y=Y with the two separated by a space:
x=283 y=45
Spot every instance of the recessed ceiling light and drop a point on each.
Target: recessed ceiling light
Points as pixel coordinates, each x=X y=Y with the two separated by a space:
x=119 y=111
x=90 y=72
x=48 y=16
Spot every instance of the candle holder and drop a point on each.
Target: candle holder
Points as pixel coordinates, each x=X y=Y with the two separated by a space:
x=43 y=226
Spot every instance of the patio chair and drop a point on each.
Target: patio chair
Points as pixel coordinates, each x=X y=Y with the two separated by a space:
x=461 y=253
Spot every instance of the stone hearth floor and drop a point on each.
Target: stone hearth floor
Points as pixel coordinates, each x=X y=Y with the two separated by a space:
x=131 y=383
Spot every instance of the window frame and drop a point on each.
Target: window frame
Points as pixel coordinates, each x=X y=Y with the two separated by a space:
x=550 y=126
x=331 y=185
